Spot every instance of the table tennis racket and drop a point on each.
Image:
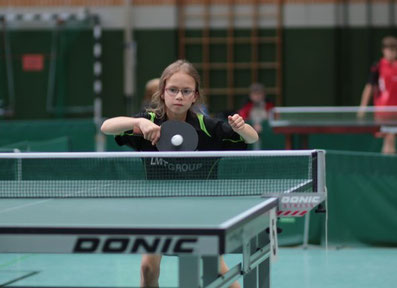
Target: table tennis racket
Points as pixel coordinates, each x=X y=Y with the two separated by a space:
x=175 y=136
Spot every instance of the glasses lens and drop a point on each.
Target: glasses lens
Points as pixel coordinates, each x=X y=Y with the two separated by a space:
x=174 y=91
x=186 y=92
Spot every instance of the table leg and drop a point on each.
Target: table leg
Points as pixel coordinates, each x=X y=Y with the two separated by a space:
x=306 y=231
x=304 y=141
x=251 y=276
x=210 y=269
x=190 y=271
x=288 y=141
x=264 y=267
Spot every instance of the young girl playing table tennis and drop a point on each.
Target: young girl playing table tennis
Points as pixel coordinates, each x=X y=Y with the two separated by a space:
x=178 y=92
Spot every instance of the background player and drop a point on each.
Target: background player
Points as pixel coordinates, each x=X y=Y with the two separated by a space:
x=382 y=84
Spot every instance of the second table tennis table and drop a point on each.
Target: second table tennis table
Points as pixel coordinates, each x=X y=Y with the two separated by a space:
x=304 y=121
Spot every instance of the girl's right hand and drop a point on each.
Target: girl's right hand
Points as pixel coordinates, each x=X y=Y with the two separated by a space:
x=150 y=131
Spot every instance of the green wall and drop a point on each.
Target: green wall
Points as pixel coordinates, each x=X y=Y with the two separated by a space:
x=74 y=71
x=156 y=49
x=309 y=67
x=57 y=135
x=327 y=66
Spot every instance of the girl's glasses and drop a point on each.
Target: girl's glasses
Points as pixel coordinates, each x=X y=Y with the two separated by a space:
x=174 y=91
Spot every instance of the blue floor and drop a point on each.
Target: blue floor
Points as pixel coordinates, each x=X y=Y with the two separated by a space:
x=344 y=268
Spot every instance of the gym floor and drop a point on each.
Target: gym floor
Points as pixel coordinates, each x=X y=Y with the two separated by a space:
x=295 y=267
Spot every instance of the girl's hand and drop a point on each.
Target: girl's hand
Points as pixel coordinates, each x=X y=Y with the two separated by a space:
x=150 y=131
x=236 y=122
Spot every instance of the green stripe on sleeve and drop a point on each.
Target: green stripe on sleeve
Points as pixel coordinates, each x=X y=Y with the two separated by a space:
x=152 y=116
x=202 y=124
x=235 y=141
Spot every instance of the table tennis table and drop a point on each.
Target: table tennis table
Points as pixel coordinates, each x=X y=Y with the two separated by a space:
x=197 y=227
x=304 y=121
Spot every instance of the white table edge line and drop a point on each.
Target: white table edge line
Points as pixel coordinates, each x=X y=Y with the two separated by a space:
x=244 y=214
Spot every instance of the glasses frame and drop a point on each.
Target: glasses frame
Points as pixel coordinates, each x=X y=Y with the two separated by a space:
x=192 y=91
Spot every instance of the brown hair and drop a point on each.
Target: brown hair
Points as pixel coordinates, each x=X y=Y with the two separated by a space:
x=151 y=87
x=158 y=105
x=257 y=88
x=389 y=42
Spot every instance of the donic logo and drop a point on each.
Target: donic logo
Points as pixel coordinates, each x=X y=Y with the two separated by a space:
x=301 y=199
x=134 y=245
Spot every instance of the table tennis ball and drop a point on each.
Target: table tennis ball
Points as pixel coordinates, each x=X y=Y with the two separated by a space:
x=177 y=140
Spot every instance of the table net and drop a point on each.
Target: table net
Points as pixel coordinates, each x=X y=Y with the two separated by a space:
x=158 y=174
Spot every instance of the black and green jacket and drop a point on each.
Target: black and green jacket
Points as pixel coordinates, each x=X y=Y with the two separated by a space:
x=213 y=134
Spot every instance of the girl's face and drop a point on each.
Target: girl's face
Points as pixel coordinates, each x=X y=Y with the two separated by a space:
x=179 y=95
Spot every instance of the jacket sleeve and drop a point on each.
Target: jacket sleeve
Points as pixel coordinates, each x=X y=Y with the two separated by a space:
x=128 y=138
x=223 y=132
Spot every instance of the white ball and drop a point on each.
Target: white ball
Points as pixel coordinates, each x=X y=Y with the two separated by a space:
x=177 y=140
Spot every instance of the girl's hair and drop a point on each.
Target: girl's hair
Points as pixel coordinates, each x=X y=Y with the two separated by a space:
x=158 y=105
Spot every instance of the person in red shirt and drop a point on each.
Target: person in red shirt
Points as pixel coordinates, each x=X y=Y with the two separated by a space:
x=382 y=84
x=256 y=109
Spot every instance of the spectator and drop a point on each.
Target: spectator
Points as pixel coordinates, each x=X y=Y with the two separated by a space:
x=257 y=107
x=151 y=87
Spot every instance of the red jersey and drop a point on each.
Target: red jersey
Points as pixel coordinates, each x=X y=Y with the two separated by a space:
x=384 y=77
x=246 y=109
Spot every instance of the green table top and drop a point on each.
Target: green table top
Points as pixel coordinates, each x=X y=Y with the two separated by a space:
x=148 y=213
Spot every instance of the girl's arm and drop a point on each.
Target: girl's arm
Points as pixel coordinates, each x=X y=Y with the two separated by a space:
x=118 y=125
x=243 y=129
x=366 y=95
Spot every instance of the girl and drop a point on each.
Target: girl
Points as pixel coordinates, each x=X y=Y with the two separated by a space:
x=178 y=93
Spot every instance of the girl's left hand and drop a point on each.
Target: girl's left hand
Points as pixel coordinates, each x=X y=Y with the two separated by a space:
x=236 y=122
